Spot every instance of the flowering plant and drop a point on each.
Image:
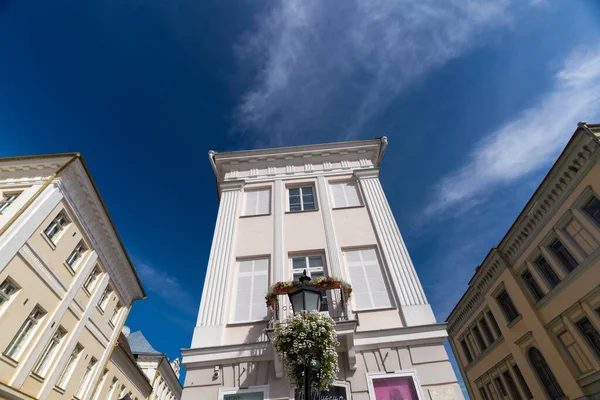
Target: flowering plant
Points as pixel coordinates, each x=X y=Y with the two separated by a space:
x=308 y=337
x=320 y=283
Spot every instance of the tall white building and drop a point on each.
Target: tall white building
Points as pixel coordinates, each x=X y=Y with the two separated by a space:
x=321 y=208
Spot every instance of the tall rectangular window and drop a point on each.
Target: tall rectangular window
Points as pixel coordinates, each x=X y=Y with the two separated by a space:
x=252 y=280
x=257 y=202
x=592 y=208
x=111 y=388
x=314 y=267
x=494 y=323
x=57 y=225
x=91 y=279
x=76 y=254
x=483 y=394
x=66 y=373
x=368 y=284
x=522 y=382
x=547 y=271
x=532 y=284
x=564 y=255
x=85 y=380
x=116 y=313
x=302 y=198
x=41 y=368
x=7 y=289
x=590 y=333
x=486 y=330
x=345 y=194
x=25 y=333
x=507 y=306
x=103 y=301
x=512 y=388
x=466 y=350
x=7 y=200
x=500 y=386
x=479 y=338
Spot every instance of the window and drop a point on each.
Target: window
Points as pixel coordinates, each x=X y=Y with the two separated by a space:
x=369 y=288
x=590 y=333
x=532 y=284
x=91 y=279
x=302 y=198
x=486 y=330
x=592 y=208
x=85 y=380
x=104 y=298
x=7 y=289
x=507 y=306
x=7 y=200
x=479 y=338
x=494 y=323
x=257 y=202
x=111 y=388
x=547 y=271
x=24 y=333
x=56 y=226
x=76 y=254
x=116 y=313
x=576 y=353
x=483 y=394
x=563 y=254
x=314 y=267
x=392 y=386
x=545 y=374
x=345 y=194
x=512 y=387
x=500 y=386
x=251 y=285
x=41 y=368
x=465 y=348
x=522 y=382
x=69 y=367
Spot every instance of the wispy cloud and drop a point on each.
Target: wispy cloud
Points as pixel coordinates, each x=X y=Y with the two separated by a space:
x=330 y=66
x=167 y=287
x=530 y=141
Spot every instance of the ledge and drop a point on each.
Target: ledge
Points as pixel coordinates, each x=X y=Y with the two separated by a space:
x=301 y=211
x=349 y=207
x=9 y=360
x=69 y=268
x=256 y=215
x=49 y=241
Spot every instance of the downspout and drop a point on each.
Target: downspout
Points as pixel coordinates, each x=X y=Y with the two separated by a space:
x=582 y=125
x=213 y=164
x=382 y=147
x=38 y=193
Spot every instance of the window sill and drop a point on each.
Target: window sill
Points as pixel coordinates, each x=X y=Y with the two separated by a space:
x=255 y=215
x=301 y=211
x=100 y=310
x=49 y=241
x=112 y=326
x=59 y=389
x=362 y=310
x=242 y=323
x=37 y=377
x=9 y=360
x=349 y=207
x=514 y=321
x=86 y=291
x=69 y=268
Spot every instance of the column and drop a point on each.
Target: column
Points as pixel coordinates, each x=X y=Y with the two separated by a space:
x=279 y=257
x=333 y=250
x=209 y=327
x=404 y=280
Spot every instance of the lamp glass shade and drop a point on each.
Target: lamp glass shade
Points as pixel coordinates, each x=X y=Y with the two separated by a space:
x=305 y=299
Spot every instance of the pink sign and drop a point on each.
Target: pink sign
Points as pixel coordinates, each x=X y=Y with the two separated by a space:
x=395 y=388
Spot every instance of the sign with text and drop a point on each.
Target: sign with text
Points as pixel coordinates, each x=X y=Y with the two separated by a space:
x=334 y=393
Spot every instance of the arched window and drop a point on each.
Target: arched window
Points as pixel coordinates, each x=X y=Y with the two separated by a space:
x=545 y=374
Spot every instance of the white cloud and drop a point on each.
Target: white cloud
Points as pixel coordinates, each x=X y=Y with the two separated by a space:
x=329 y=66
x=529 y=142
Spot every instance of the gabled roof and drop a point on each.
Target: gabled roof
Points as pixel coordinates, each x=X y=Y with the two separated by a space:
x=140 y=345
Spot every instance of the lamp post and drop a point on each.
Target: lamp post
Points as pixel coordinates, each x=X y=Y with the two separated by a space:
x=305 y=299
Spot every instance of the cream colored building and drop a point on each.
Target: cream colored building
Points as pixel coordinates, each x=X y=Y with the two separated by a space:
x=528 y=325
x=66 y=282
x=321 y=208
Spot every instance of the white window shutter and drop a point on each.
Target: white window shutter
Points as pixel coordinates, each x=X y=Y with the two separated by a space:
x=250 y=203
x=337 y=192
x=351 y=191
x=251 y=286
x=264 y=201
x=369 y=289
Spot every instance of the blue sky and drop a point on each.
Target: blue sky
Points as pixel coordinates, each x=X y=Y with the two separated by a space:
x=477 y=99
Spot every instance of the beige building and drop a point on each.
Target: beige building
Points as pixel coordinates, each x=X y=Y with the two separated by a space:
x=319 y=208
x=528 y=325
x=66 y=283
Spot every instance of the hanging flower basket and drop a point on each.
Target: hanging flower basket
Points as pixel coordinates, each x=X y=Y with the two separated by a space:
x=320 y=283
x=308 y=337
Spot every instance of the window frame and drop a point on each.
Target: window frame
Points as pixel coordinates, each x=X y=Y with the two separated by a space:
x=354 y=183
x=257 y=189
x=4 y=203
x=388 y=286
x=78 y=254
x=585 y=211
x=48 y=353
x=7 y=298
x=105 y=298
x=67 y=371
x=547 y=271
x=465 y=349
x=232 y=320
x=14 y=350
x=301 y=187
x=325 y=306
x=508 y=318
x=61 y=227
x=86 y=380
x=371 y=376
x=116 y=314
x=264 y=389
x=562 y=260
x=595 y=347
x=90 y=282
x=535 y=290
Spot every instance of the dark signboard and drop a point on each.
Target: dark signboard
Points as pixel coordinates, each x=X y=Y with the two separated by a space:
x=334 y=393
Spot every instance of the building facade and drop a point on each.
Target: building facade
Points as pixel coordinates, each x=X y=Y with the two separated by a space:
x=66 y=282
x=528 y=325
x=319 y=208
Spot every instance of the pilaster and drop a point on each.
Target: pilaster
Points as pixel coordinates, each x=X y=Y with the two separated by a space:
x=333 y=250
x=210 y=322
x=279 y=258
x=409 y=292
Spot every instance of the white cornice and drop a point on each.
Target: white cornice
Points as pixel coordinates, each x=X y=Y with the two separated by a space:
x=80 y=194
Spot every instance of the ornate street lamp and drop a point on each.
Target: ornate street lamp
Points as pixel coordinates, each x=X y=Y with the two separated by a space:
x=305 y=299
